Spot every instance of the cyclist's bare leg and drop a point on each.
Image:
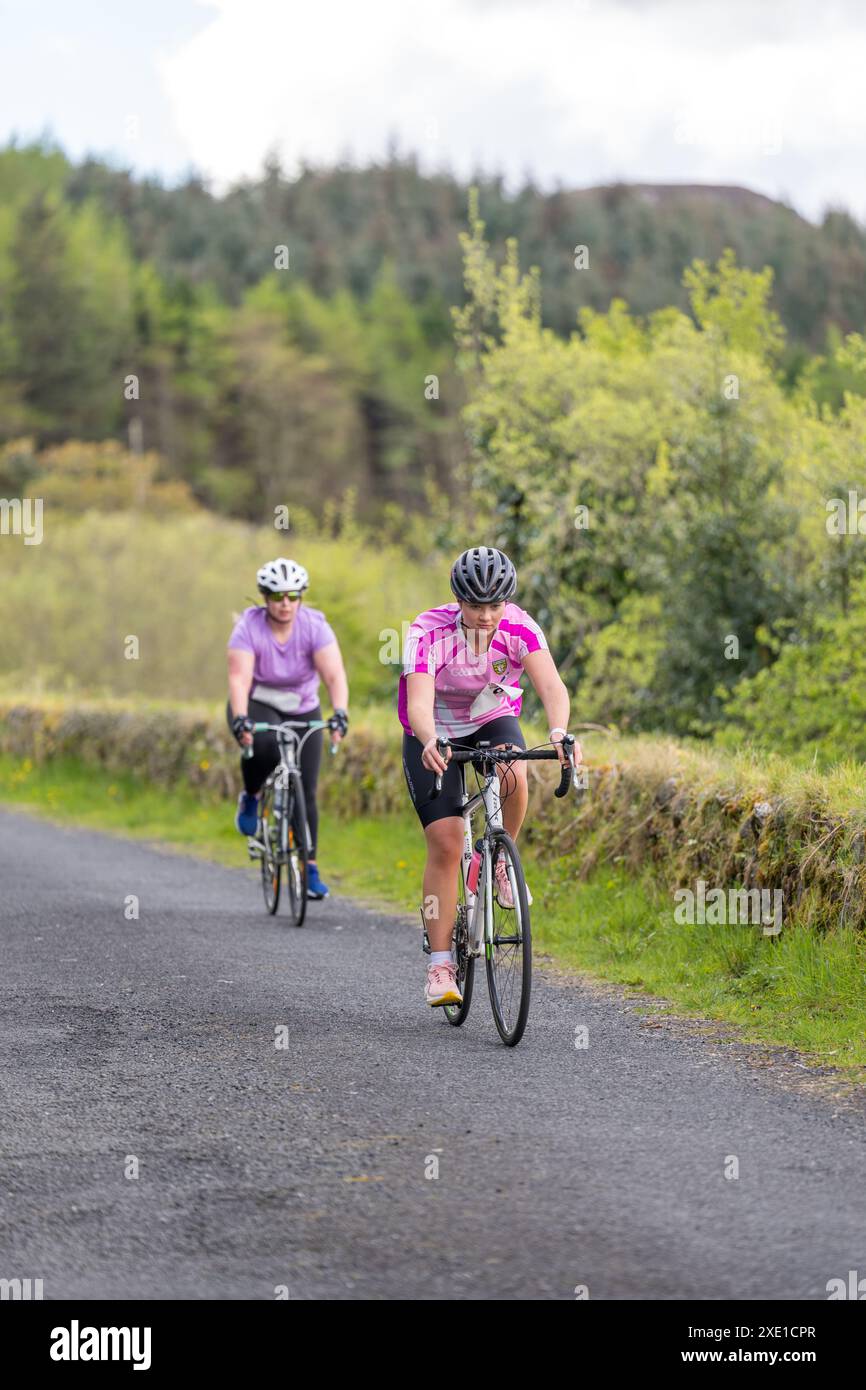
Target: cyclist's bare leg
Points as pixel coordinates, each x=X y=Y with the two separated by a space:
x=514 y=790
x=444 y=852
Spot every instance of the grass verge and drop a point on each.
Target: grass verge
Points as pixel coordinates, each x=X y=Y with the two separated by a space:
x=803 y=989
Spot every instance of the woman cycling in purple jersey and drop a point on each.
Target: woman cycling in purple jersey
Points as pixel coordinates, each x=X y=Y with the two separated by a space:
x=276 y=656
x=461 y=672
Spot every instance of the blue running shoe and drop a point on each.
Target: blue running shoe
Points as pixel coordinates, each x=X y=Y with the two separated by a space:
x=247 y=817
x=315 y=887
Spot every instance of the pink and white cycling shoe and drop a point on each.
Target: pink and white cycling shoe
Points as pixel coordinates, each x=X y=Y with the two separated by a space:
x=441 y=987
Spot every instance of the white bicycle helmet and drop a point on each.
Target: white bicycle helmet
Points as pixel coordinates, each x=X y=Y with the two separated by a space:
x=282 y=576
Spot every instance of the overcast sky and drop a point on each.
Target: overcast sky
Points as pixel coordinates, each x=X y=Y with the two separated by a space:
x=764 y=93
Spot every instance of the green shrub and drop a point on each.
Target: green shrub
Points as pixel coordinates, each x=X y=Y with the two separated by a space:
x=176 y=584
x=812 y=703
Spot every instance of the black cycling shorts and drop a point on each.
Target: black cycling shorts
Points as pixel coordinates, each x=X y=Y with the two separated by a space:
x=419 y=779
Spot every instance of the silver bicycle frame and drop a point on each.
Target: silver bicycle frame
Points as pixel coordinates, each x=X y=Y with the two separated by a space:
x=290 y=744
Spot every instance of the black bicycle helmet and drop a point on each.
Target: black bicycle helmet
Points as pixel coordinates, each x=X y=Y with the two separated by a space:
x=483 y=575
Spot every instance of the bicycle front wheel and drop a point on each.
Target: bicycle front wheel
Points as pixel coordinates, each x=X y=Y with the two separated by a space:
x=296 y=854
x=508 y=956
x=270 y=822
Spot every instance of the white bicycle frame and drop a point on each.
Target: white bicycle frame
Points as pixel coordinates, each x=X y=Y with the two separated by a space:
x=479 y=905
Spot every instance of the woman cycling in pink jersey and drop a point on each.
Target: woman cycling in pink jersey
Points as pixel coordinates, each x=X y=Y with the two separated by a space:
x=461 y=673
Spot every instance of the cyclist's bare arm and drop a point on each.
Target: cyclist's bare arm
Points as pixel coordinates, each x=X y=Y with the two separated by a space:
x=541 y=670
x=241 y=666
x=419 y=693
x=328 y=661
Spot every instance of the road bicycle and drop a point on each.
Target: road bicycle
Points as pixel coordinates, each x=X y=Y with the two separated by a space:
x=282 y=838
x=483 y=923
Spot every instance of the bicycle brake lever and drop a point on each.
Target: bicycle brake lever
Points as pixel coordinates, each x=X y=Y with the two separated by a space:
x=441 y=745
x=580 y=782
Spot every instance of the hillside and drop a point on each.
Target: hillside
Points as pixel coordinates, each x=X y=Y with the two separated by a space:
x=132 y=310
x=343 y=222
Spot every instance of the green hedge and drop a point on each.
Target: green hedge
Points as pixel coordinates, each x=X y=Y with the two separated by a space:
x=692 y=813
x=190 y=744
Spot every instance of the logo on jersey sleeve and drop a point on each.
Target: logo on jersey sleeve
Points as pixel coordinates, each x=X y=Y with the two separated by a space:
x=500 y=666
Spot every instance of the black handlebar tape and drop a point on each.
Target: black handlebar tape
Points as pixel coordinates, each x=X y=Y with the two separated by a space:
x=564 y=781
x=469 y=755
x=477 y=755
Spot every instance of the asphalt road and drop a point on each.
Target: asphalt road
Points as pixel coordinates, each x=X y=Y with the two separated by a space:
x=304 y=1167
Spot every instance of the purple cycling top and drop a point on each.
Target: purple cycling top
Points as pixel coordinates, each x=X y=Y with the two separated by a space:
x=469 y=689
x=291 y=667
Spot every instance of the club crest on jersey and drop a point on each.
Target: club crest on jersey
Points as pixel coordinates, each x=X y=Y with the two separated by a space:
x=499 y=666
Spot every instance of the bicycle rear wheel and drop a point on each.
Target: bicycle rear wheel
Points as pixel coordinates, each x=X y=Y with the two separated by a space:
x=270 y=857
x=456 y=1013
x=508 y=956
x=296 y=854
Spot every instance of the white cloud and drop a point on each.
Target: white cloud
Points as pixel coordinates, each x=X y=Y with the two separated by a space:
x=764 y=95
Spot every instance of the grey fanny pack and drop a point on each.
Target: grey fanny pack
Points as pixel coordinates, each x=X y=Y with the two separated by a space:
x=286 y=701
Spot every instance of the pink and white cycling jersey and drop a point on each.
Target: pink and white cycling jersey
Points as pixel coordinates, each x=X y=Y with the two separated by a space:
x=469 y=689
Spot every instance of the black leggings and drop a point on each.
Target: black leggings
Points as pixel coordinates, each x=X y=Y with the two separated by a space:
x=266 y=755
